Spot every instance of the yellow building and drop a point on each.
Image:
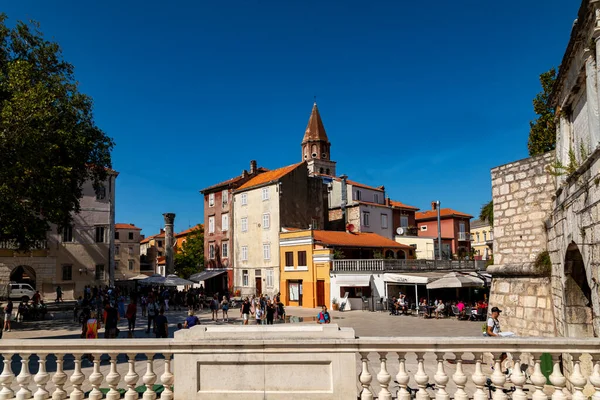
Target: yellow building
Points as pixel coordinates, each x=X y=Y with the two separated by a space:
x=307 y=257
x=482 y=239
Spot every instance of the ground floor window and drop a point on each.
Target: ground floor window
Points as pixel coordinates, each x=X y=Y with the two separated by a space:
x=245 y=277
x=294 y=288
x=270 y=278
x=67 y=272
x=100 y=272
x=355 y=292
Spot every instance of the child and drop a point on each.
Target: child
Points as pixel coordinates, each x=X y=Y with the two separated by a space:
x=258 y=314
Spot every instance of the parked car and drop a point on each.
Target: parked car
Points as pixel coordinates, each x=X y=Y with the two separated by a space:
x=20 y=291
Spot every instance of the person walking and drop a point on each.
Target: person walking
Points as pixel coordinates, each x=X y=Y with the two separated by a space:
x=144 y=304
x=162 y=325
x=259 y=313
x=59 y=294
x=270 y=312
x=493 y=325
x=111 y=319
x=8 y=309
x=225 y=308
x=152 y=312
x=214 y=308
x=245 y=311
x=131 y=315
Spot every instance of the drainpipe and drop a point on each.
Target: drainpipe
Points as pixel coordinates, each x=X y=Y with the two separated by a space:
x=344 y=198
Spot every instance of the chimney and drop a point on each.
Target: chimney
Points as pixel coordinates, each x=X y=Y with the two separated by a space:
x=162 y=230
x=433 y=205
x=252 y=166
x=244 y=174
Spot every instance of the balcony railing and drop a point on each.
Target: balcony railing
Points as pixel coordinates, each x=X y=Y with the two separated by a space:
x=405 y=265
x=464 y=236
x=232 y=364
x=12 y=245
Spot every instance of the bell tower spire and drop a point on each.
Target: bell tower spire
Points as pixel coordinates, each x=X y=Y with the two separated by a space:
x=316 y=147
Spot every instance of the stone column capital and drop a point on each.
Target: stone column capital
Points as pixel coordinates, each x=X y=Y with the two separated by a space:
x=169 y=218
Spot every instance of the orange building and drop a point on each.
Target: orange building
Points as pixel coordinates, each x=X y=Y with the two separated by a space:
x=306 y=259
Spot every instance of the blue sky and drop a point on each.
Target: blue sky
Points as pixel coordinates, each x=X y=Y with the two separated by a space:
x=424 y=97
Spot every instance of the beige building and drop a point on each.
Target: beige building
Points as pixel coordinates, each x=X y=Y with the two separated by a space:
x=127 y=251
x=482 y=239
x=424 y=247
x=73 y=257
x=152 y=249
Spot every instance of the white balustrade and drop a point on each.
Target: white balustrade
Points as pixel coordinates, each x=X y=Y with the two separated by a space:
x=444 y=362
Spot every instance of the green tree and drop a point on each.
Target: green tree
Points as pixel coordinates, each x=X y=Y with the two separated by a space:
x=542 y=132
x=190 y=258
x=49 y=143
x=487 y=212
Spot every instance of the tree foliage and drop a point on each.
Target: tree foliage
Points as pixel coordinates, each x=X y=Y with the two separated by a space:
x=49 y=143
x=542 y=132
x=487 y=212
x=190 y=258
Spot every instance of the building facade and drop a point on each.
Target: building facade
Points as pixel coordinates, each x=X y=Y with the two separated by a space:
x=285 y=197
x=455 y=226
x=482 y=239
x=127 y=251
x=73 y=257
x=151 y=249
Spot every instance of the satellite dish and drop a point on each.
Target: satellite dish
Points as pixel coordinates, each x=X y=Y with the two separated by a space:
x=350 y=228
x=400 y=231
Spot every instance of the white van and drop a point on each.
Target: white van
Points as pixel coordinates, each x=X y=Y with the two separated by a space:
x=20 y=291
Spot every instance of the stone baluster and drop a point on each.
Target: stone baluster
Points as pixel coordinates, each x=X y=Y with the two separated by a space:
x=595 y=377
x=131 y=379
x=113 y=378
x=441 y=379
x=77 y=379
x=167 y=379
x=384 y=378
x=402 y=378
x=479 y=379
x=557 y=379
x=460 y=379
x=365 y=378
x=421 y=378
x=149 y=379
x=96 y=379
x=518 y=378
x=24 y=379
x=59 y=379
x=41 y=379
x=6 y=378
x=498 y=378
x=577 y=379
x=538 y=379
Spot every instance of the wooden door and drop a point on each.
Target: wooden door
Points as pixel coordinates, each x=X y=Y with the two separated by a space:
x=258 y=281
x=320 y=293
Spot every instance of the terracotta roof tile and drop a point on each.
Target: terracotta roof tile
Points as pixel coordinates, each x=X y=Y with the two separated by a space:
x=360 y=239
x=370 y=203
x=187 y=231
x=354 y=183
x=315 y=131
x=157 y=236
x=444 y=213
x=398 y=204
x=269 y=176
x=127 y=226
x=231 y=181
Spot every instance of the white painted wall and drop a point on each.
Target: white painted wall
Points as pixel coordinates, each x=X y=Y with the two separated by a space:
x=425 y=246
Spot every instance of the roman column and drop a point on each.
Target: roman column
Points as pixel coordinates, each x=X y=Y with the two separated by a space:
x=169 y=264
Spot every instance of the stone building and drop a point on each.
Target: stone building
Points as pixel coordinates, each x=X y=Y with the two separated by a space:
x=283 y=198
x=127 y=251
x=73 y=257
x=151 y=249
x=316 y=149
x=546 y=211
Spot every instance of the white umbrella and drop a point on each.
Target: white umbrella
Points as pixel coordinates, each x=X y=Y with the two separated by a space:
x=456 y=280
x=174 y=280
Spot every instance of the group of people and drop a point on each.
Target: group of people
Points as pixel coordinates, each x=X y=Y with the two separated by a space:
x=264 y=309
x=399 y=305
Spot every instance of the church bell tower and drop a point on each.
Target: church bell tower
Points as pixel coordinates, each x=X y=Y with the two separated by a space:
x=316 y=147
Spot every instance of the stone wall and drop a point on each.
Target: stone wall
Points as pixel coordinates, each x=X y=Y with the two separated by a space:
x=522 y=193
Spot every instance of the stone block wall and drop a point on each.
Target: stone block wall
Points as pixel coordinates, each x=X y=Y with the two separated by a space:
x=522 y=193
x=526 y=305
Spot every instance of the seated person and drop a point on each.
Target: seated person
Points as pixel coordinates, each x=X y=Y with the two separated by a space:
x=402 y=304
x=461 y=308
x=323 y=317
x=393 y=306
x=439 y=308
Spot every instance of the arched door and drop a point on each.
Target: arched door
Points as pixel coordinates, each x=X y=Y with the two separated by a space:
x=578 y=296
x=23 y=274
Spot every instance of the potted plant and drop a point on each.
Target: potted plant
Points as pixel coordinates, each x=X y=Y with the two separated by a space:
x=334 y=304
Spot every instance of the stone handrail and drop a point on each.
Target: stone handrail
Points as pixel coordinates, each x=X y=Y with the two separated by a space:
x=325 y=356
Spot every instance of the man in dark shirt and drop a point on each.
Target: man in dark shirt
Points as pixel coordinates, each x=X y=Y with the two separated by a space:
x=111 y=319
x=162 y=325
x=245 y=311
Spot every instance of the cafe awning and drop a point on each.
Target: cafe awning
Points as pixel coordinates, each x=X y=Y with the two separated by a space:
x=458 y=280
x=410 y=279
x=355 y=280
x=207 y=274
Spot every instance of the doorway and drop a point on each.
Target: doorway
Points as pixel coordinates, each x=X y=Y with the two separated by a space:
x=578 y=296
x=23 y=274
x=320 y=293
x=258 y=283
